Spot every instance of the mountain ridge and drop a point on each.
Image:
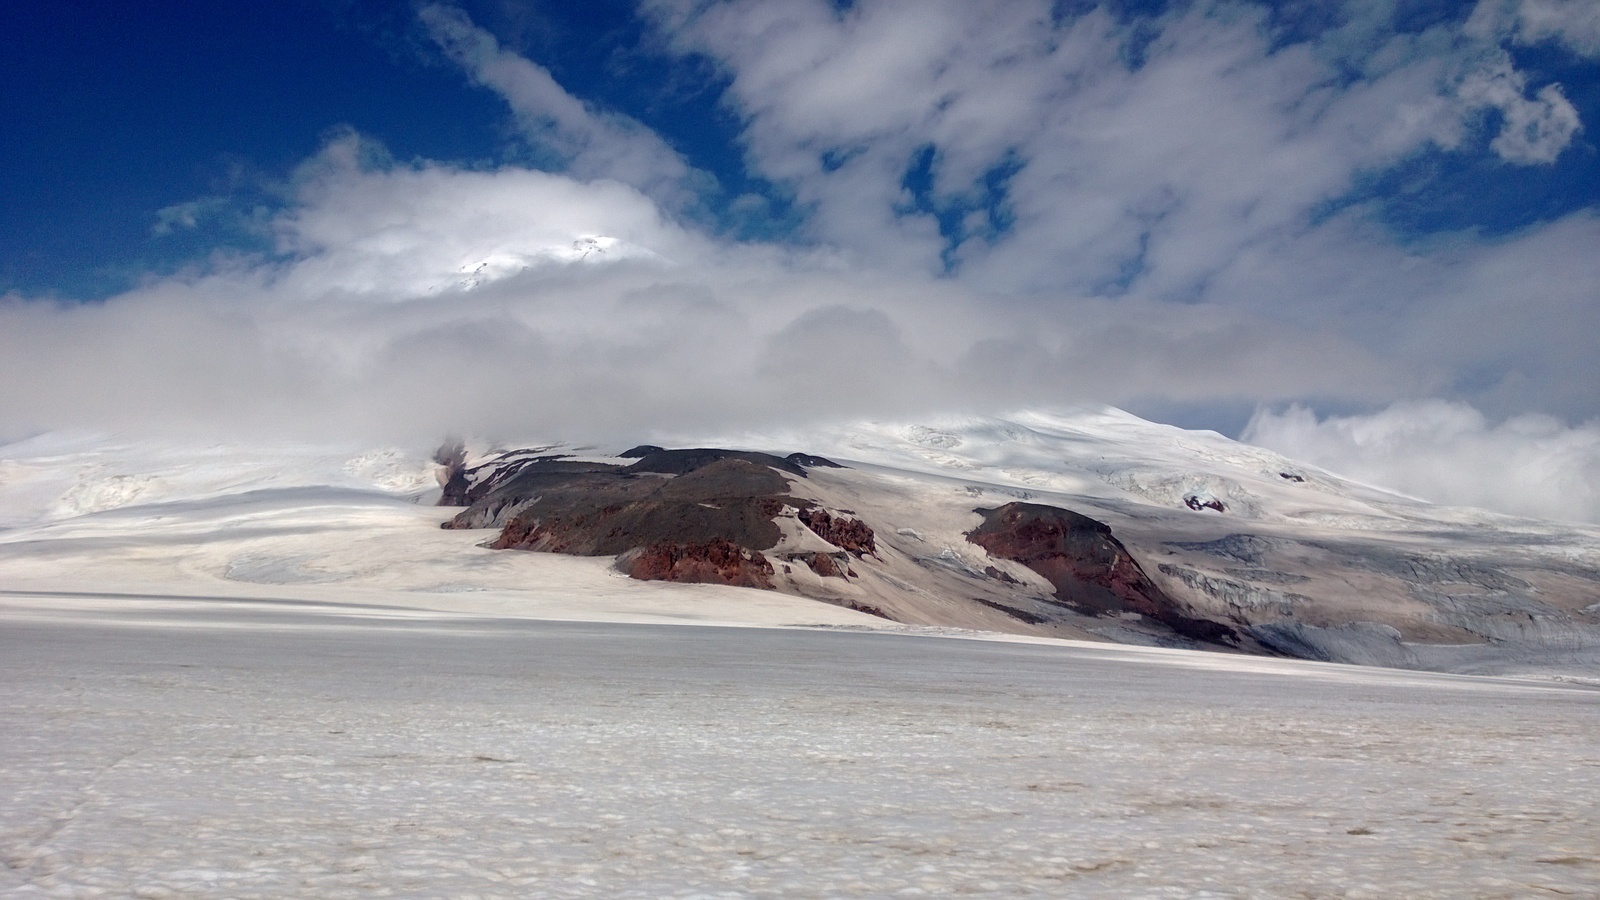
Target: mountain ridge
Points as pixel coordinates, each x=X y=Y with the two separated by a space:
x=1296 y=561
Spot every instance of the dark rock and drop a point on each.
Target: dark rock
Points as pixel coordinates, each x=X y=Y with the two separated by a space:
x=1020 y=615
x=700 y=515
x=1290 y=476
x=852 y=535
x=1198 y=503
x=1090 y=569
x=713 y=562
x=678 y=462
x=601 y=514
x=808 y=461
x=822 y=564
x=452 y=455
x=998 y=575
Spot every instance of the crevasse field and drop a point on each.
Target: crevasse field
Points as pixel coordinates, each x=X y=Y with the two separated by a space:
x=219 y=679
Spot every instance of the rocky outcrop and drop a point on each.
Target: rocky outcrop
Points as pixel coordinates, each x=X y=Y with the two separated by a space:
x=453 y=482
x=827 y=565
x=1090 y=569
x=851 y=535
x=699 y=515
x=713 y=562
x=730 y=500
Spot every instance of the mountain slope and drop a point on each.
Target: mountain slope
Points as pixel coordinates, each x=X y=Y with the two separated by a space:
x=1150 y=534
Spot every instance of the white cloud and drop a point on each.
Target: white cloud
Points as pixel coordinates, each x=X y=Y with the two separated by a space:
x=1148 y=156
x=367 y=325
x=1574 y=24
x=1529 y=465
x=1198 y=173
x=593 y=143
x=1534 y=130
x=403 y=232
x=1163 y=251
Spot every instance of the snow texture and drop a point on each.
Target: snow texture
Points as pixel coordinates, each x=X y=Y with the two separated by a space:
x=225 y=749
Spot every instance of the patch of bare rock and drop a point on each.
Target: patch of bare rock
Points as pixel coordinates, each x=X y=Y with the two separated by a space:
x=1090 y=569
x=758 y=520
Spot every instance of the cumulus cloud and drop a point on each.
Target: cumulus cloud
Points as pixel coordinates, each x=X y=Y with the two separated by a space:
x=1138 y=155
x=1534 y=130
x=408 y=231
x=1160 y=162
x=1448 y=452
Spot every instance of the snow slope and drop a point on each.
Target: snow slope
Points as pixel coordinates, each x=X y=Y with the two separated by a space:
x=1299 y=560
x=1310 y=563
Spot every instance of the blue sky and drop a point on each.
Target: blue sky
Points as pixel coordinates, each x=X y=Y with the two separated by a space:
x=1285 y=220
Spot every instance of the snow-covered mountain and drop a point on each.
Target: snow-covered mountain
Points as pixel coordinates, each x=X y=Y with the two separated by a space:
x=1169 y=537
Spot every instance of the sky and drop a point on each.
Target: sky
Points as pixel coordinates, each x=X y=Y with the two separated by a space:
x=1365 y=234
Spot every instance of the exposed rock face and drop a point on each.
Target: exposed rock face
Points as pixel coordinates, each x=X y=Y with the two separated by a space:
x=713 y=562
x=607 y=513
x=1090 y=569
x=700 y=515
x=852 y=535
x=824 y=565
x=452 y=457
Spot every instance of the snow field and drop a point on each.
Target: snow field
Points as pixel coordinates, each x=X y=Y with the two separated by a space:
x=221 y=750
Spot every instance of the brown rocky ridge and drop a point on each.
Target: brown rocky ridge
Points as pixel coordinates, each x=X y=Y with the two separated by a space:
x=698 y=515
x=1090 y=569
x=718 y=516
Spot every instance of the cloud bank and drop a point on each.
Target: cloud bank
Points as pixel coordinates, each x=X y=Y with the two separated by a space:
x=1449 y=453
x=1002 y=207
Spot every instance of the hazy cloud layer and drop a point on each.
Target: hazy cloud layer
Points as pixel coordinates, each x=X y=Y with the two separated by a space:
x=1449 y=453
x=1001 y=210
x=417 y=300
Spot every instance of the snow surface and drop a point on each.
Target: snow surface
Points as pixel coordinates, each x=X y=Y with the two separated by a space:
x=266 y=672
x=215 y=749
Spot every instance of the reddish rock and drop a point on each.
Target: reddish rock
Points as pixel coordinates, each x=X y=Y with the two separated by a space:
x=852 y=535
x=825 y=565
x=714 y=562
x=1090 y=568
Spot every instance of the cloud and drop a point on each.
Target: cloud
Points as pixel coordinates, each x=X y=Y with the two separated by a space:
x=409 y=231
x=1575 y=24
x=378 y=318
x=1149 y=211
x=587 y=142
x=1446 y=452
x=1534 y=130
x=1190 y=158
x=1139 y=154
x=187 y=215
